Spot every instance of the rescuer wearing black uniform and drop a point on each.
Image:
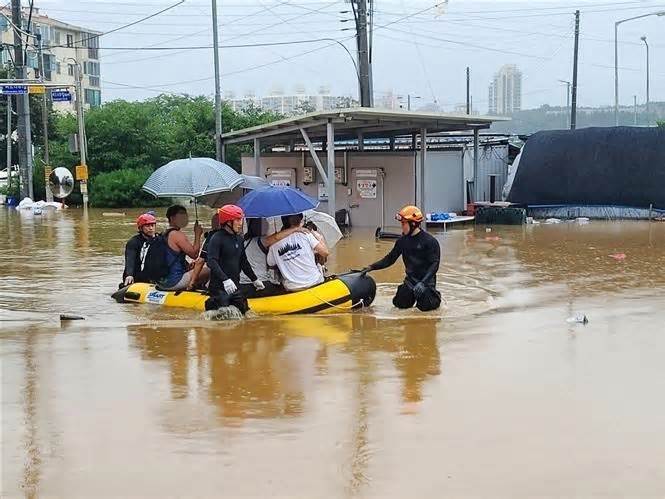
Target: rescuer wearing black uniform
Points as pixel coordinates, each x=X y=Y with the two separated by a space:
x=421 y=254
x=226 y=258
x=136 y=250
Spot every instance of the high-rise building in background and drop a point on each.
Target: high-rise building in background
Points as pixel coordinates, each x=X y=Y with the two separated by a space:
x=292 y=104
x=505 y=91
x=64 y=44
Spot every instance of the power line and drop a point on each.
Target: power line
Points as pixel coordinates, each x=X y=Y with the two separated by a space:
x=124 y=26
x=202 y=47
x=206 y=30
x=520 y=16
x=531 y=9
x=236 y=36
x=244 y=70
x=467 y=44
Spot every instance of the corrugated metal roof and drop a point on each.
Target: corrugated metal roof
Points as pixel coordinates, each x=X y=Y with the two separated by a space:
x=370 y=122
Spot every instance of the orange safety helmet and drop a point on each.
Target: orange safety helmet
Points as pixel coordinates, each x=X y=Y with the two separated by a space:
x=145 y=219
x=229 y=212
x=409 y=214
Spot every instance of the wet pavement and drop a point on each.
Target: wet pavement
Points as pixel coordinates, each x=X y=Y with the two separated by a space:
x=495 y=395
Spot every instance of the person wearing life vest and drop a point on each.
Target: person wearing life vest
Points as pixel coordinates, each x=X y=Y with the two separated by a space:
x=137 y=248
x=226 y=258
x=421 y=254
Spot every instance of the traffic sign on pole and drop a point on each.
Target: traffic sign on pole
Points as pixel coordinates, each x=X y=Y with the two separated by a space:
x=81 y=172
x=61 y=96
x=14 y=89
x=36 y=89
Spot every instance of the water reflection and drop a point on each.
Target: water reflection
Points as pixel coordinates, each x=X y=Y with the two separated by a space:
x=265 y=367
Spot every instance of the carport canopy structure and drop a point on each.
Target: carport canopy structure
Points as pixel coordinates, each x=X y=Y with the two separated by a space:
x=358 y=123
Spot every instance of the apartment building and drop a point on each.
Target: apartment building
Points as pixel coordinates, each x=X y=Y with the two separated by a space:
x=288 y=105
x=505 y=91
x=63 y=45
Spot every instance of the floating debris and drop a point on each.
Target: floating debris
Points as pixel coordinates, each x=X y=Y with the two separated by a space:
x=70 y=317
x=578 y=319
x=619 y=257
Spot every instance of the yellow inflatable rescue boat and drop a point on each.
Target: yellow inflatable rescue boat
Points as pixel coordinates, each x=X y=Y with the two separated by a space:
x=338 y=294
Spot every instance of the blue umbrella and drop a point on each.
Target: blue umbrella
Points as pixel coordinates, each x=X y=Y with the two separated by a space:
x=276 y=201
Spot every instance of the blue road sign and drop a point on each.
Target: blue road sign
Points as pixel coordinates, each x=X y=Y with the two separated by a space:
x=14 y=89
x=61 y=96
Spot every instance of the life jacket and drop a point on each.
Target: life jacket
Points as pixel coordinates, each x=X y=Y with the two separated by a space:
x=155 y=265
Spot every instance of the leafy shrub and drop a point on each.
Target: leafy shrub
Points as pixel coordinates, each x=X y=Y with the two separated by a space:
x=121 y=188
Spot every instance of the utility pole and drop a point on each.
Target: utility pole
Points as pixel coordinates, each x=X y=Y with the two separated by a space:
x=23 y=109
x=81 y=123
x=219 y=150
x=364 y=67
x=573 y=109
x=9 y=141
x=644 y=39
x=47 y=161
x=468 y=90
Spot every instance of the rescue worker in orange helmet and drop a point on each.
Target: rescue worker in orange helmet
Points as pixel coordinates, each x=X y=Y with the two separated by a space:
x=136 y=250
x=421 y=254
x=226 y=258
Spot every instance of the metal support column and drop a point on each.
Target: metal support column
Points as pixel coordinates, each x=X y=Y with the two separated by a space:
x=475 y=163
x=421 y=177
x=257 y=157
x=330 y=186
x=315 y=156
x=361 y=141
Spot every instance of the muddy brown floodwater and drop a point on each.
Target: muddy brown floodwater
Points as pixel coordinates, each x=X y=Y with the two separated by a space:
x=495 y=395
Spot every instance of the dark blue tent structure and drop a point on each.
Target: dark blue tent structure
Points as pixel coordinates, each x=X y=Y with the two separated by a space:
x=618 y=166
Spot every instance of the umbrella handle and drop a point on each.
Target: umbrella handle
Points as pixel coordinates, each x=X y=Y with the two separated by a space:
x=196 y=211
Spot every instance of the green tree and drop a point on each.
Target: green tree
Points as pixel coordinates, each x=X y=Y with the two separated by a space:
x=661 y=123
x=128 y=140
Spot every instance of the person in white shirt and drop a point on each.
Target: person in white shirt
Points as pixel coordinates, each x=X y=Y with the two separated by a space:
x=295 y=256
x=256 y=250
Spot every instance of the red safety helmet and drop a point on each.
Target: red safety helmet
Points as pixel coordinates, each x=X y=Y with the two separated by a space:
x=229 y=212
x=145 y=219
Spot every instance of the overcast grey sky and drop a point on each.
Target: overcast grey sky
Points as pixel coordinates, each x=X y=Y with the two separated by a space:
x=419 y=48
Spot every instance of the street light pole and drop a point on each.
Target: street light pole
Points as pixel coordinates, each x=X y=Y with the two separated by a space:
x=616 y=58
x=219 y=153
x=644 y=39
x=567 y=100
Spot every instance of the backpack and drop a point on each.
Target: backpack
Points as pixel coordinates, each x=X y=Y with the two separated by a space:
x=156 y=265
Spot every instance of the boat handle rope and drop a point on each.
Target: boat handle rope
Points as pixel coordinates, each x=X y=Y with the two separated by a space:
x=360 y=303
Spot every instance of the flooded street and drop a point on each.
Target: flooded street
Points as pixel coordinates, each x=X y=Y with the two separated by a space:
x=494 y=395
